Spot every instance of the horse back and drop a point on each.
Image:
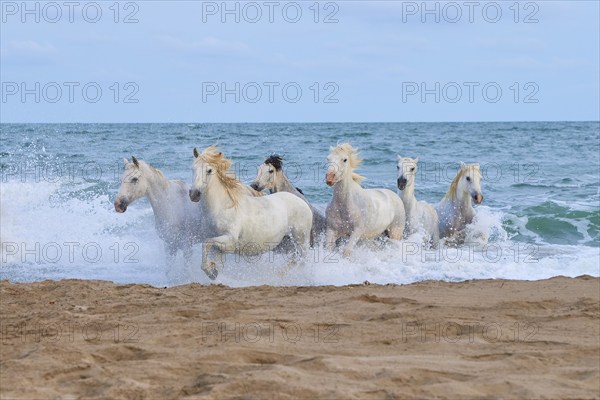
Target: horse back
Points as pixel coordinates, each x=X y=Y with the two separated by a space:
x=386 y=209
x=386 y=199
x=280 y=202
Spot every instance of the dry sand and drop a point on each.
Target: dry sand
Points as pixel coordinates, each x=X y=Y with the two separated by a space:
x=476 y=339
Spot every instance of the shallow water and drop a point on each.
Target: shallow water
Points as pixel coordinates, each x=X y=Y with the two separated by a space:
x=541 y=208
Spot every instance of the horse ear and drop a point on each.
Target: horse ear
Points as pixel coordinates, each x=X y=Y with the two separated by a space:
x=462 y=165
x=125 y=161
x=417 y=160
x=398 y=157
x=135 y=161
x=196 y=154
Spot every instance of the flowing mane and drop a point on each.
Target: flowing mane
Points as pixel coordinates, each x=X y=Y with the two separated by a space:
x=353 y=158
x=451 y=194
x=211 y=155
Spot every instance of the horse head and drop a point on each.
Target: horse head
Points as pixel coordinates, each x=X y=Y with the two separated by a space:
x=267 y=173
x=211 y=166
x=468 y=182
x=133 y=185
x=342 y=160
x=407 y=170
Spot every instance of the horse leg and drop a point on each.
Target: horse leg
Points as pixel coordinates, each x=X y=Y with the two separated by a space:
x=313 y=237
x=285 y=246
x=395 y=232
x=330 y=239
x=302 y=234
x=435 y=237
x=352 y=240
x=209 y=268
x=170 y=254
x=187 y=257
x=401 y=225
x=221 y=243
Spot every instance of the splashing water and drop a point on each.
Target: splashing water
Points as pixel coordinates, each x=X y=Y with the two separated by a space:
x=63 y=225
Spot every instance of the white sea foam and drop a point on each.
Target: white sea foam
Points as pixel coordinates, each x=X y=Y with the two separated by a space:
x=61 y=230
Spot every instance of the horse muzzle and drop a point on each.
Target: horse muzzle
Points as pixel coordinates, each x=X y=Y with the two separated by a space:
x=195 y=195
x=256 y=186
x=330 y=178
x=120 y=205
x=402 y=183
x=478 y=198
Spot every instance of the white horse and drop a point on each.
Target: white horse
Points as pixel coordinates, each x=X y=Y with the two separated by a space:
x=178 y=221
x=420 y=216
x=241 y=222
x=355 y=212
x=271 y=176
x=455 y=211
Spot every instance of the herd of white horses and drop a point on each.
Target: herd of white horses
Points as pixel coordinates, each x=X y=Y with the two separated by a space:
x=227 y=216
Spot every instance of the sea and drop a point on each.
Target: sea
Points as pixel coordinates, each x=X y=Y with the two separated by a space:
x=540 y=217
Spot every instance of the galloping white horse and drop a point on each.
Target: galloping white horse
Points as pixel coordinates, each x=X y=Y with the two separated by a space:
x=271 y=176
x=178 y=221
x=355 y=212
x=251 y=225
x=420 y=216
x=455 y=211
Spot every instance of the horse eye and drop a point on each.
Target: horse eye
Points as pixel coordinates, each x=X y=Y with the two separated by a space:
x=270 y=171
x=398 y=167
x=209 y=171
x=468 y=179
x=134 y=180
x=345 y=159
x=412 y=169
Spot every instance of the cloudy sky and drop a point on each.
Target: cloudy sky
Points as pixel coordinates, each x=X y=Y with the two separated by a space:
x=303 y=61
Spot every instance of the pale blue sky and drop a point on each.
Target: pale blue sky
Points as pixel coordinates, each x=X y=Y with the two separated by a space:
x=371 y=56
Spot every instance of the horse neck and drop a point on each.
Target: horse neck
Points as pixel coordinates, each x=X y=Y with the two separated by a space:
x=283 y=184
x=345 y=187
x=158 y=188
x=461 y=201
x=408 y=196
x=216 y=197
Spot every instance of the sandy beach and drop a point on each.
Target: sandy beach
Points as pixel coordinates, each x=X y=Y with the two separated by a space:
x=475 y=339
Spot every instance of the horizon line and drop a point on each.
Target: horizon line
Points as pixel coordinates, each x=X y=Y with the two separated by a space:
x=298 y=122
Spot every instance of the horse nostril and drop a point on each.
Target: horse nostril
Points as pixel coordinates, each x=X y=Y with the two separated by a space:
x=254 y=186
x=120 y=204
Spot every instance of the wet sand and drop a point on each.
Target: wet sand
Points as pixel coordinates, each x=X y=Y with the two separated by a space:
x=475 y=339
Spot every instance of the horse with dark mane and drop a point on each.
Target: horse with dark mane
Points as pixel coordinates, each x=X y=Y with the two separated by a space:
x=271 y=177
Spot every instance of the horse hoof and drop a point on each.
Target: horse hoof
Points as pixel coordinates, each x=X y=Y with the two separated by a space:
x=211 y=270
x=212 y=274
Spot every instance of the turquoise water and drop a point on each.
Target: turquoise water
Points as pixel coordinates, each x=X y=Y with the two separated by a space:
x=541 y=188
